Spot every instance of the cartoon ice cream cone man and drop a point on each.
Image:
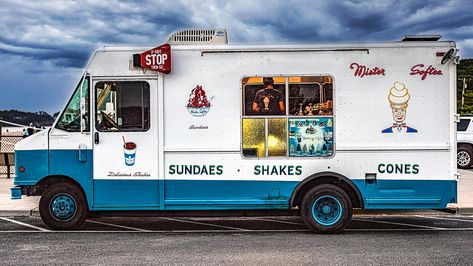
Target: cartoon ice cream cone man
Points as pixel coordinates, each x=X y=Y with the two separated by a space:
x=398 y=98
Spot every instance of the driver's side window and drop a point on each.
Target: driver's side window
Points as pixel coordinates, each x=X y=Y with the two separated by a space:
x=70 y=119
x=122 y=106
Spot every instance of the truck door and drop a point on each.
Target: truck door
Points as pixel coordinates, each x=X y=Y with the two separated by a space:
x=125 y=144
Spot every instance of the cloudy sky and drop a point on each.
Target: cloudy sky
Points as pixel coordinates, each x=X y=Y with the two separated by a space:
x=44 y=45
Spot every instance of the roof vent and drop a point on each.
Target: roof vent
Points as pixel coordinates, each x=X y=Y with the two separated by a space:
x=199 y=36
x=421 y=38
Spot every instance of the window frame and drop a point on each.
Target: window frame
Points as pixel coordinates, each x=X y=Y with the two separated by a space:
x=96 y=82
x=287 y=116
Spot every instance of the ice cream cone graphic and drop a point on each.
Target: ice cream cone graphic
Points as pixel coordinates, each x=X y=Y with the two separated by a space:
x=398 y=98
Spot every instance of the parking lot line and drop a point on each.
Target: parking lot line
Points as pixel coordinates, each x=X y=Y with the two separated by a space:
x=406 y=229
x=234 y=231
x=201 y=223
x=162 y=231
x=241 y=231
x=447 y=219
x=25 y=224
x=403 y=224
x=276 y=221
x=118 y=226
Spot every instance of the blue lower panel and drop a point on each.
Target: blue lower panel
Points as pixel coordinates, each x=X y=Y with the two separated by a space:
x=67 y=163
x=408 y=194
x=35 y=163
x=252 y=195
x=227 y=195
x=126 y=195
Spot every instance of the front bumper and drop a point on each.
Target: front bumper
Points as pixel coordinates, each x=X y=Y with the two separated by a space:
x=15 y=192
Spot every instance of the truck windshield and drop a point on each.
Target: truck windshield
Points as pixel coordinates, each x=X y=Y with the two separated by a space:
x=70 y=118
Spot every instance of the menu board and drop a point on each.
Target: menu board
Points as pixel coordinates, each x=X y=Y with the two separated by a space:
x=311 y=137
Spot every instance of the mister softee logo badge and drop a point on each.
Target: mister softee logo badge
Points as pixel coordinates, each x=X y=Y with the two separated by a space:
x=198 y=104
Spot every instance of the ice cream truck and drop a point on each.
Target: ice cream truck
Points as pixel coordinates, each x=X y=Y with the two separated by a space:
x=200 y=125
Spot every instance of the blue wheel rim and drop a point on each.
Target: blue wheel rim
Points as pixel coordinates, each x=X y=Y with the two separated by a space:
x=63 y=207
x=327 y=210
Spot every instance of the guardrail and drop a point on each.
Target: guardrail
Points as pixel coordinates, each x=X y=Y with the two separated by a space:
x=7 y=144
x=7 y=153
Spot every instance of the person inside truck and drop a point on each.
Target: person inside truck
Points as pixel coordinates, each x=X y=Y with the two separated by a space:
x=269 y=101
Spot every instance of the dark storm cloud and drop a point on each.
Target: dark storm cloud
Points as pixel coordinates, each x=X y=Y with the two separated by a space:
x=44 y=44
x=68 y=32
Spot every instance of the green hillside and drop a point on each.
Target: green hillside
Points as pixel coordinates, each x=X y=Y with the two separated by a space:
x=25 y=118
x=465 y=71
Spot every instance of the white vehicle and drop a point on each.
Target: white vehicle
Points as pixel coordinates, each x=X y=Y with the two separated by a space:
x=465 y=142
x=316 y=128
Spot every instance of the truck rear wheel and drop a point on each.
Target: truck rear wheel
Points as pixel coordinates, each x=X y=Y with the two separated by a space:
x=464 y=156
x=63 y=206
x=326 y=209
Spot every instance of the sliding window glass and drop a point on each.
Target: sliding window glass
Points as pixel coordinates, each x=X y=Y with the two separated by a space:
x=287 y=116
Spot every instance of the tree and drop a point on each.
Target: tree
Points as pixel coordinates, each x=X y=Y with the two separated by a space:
x=465 y=72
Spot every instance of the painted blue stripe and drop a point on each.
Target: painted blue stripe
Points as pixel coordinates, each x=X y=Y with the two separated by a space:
x=129 y=194
x=408 y=194
x=215 y=194
x=67 y=163
x=41 y=163
x=36 y=164
x=227 y=194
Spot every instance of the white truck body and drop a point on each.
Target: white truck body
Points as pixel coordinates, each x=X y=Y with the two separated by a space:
x=412 y=165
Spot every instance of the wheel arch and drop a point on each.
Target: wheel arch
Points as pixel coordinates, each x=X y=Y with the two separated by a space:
x=326 y=177
x=47 y=181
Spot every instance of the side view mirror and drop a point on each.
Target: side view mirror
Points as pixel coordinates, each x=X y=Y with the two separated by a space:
x=451 y=54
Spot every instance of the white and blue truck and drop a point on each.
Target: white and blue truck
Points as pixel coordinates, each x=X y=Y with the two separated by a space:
x=197 y=124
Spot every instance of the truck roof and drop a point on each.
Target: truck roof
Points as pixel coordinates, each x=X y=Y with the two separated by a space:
x=288 y=46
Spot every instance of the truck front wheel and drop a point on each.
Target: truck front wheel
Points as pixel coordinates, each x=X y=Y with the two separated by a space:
x=326 y=209
x=63 y=206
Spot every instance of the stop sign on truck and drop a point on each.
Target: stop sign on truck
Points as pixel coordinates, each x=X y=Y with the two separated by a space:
x=158 y=59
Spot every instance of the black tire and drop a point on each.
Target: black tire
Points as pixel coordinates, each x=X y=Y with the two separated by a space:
x=326 y=209
x=63 y=206
x=464 y=156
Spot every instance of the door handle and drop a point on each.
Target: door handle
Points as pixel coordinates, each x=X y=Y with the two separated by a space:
x=96 y=138
x=82 y=152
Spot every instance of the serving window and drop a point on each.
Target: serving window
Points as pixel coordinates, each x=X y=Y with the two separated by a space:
x=287 y=116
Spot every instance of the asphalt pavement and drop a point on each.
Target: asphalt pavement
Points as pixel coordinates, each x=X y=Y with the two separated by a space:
x=420 y=239
x=416 y=237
